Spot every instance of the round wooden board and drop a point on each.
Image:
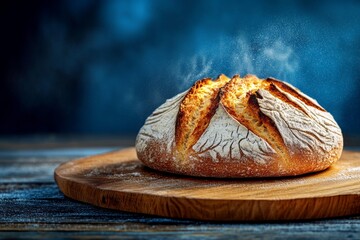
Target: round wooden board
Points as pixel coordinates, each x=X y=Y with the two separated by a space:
x=118 y=180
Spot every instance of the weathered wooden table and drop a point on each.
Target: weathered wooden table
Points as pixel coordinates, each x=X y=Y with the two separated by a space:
x=31 y=205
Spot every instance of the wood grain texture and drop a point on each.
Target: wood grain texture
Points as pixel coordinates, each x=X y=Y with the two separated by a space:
x=32 y=207
x=117 y=180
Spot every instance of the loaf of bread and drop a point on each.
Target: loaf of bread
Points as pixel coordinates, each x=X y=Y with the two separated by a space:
x=240 y=127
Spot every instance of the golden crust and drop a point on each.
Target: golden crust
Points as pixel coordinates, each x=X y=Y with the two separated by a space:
x=243 y=127
x=195 y=112
x=229 y=168
x=244 y=107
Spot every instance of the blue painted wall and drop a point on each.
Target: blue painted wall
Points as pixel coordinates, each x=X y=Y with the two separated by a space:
x=104 y=66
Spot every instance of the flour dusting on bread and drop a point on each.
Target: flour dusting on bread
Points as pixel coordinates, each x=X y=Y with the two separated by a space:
x=240 y=127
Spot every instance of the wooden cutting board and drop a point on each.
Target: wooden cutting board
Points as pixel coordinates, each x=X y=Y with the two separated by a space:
x=118 y=180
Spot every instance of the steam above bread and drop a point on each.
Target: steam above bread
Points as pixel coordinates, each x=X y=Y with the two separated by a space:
x=240 y=127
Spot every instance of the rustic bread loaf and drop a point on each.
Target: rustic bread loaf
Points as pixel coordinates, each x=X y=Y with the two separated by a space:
x=240 y=127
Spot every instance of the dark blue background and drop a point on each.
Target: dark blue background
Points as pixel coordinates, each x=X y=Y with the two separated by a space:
x=101 y=67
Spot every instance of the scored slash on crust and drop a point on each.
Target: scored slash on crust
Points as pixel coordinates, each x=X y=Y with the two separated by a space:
x=240 y=127
x=196 y=110
x=239 y=97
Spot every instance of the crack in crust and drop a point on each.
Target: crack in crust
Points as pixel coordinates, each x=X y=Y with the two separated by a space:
x=277 y=93
x=255 y=127
x=239 y=97
x=295 y=92
x=196 y=110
